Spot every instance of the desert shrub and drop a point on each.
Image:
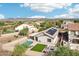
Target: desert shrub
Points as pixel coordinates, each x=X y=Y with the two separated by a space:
x=64 y=51
x=24 y=32
x=19 y=50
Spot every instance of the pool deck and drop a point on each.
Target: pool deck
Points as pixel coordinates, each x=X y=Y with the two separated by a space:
x=33 y=53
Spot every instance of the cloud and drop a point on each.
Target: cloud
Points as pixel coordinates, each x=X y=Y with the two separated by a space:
x=37 y=17
x=2 y=16
x=18 y=16
x=24 y=4
x=74 y=10
x=45 y=7
x=64 y=16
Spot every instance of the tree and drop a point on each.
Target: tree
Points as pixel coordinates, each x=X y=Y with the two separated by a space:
x=17 y=23
x=76 y=21
x=45 y=25
x=19 y=50
x=24 y=32
x=36 y=25
x=4 y=30
x=41 y=29
x=59 y=22
x=64 y=51
x=2 y=23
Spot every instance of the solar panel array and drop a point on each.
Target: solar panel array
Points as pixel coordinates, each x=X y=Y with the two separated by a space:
x=51 y=31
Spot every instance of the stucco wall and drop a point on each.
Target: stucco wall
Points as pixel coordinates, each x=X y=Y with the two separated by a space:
x=44 y=39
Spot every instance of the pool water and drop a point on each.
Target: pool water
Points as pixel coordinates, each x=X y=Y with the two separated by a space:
x=27 y=43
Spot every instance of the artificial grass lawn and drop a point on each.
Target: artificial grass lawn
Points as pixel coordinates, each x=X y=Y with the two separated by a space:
x=38 y=47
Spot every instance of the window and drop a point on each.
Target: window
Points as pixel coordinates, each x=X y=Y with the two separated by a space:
x=36 y=38
x=48 y=40
x=32 y=37
x=76 y=41
x=72 y=33
x=77 y=33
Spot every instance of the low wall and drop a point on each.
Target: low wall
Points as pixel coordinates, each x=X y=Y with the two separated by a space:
x=74 y=46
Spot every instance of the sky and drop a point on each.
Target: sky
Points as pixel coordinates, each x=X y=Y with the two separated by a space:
x=39 y=10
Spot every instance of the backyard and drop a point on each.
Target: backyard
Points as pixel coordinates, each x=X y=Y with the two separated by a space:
x=38 y=47
x=21 y=48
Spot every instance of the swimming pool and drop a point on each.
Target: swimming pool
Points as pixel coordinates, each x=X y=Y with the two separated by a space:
x=27 y=43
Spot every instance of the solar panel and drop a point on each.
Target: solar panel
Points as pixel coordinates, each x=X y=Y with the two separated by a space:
x=51 y=31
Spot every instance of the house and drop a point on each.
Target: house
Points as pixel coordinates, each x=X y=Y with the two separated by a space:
x=31 y=28
x=65 y=22
x=48 y=37
x=73 y=29
x=68 y=21
x=73 y=34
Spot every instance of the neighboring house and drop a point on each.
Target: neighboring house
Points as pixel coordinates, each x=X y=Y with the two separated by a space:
x=73 y=32
x=31 y=28
x=38 y=23
x=68 y=21
x=65 y=22
x=48 y=37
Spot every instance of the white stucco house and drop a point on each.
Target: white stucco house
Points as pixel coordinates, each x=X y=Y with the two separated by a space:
x=29 y=26
x=48 y=37
x=73 y=33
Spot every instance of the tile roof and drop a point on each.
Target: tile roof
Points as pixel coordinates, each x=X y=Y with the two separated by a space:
x=73 y=26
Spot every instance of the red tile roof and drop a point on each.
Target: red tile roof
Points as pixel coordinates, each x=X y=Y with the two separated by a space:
x=73 y=26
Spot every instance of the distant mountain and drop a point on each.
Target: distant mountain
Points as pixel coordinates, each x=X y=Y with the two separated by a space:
x=28 y=19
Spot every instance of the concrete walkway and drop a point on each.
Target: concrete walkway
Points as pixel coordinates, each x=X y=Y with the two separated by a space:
x=33 y=53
